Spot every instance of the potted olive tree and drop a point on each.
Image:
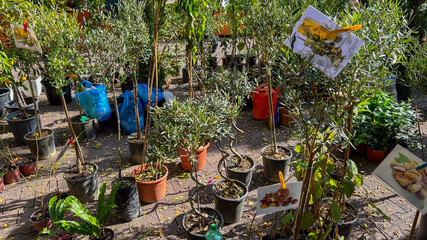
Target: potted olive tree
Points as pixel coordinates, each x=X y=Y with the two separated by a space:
x=61 y=59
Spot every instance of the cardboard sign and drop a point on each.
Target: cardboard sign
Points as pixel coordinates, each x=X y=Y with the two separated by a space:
x=25 y=38
x=271 y=199
x=313 y=37
x=398 y=170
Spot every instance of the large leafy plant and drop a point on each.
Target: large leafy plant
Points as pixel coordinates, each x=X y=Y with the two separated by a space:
x=91 y=225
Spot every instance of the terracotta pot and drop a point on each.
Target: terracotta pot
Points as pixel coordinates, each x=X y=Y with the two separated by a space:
x=1 y=183
x=12 y=176
x=374 y=155
x=285 y=119
x=200 y=155
x=30 y=169
x=150 y=192
x=40 y=225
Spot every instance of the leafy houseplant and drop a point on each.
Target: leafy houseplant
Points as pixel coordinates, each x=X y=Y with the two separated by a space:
x=91 y=226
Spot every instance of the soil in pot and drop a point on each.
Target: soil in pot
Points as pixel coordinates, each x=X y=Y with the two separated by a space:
x=41 y=220
x=20 y=126
x=348 y=218
x=151 y=183
x=84 y=127
x=275 y=162
x=127 y=200
x=106 y=234
x=84 y=185
x=11 y=174
x=135 y=147
x=198 y=225
x=41 y=147
x=233 y=164
x=230 y=199
x=27 y=165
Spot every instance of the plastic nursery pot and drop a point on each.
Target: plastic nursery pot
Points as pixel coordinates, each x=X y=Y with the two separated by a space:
x=230 y=209
x=243 y=176
x=127 y=199
x=54 y=98
x=11 y=106
x=41 y=148
x=106 y=234
x=345 y=228
x=38 y=222
x=37 y=86
x=28 y=165
x=84 y=130
x=211 y=212
x=19 y=127
x=154 y=191
x=200 y=156
x=110 y=124
x=4 y=97
x=375 y=155
x=273 y=166
x=135 y=148
x=12 y=176
x=84 y=188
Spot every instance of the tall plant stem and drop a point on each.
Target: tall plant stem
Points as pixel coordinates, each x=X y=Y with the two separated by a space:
x=190 y=69
x=39 y=128
x=238 y=132
x=77 y=97
x=135 y=102
x=271 y=108
x=79 y=158
x=119 y=153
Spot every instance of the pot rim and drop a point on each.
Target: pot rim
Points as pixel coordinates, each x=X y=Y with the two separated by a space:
x=7 y=91
x=121 y=179
x=245 y=156
x=37 y=211
x=133 y=135
x=221 y=218
x=232 y=200
x=81 y=123
x=14 y=114
x=85 y=178
x=286 y=159
x=40 y=139
x=29 y=156
x=198 y=151
x=138 y=169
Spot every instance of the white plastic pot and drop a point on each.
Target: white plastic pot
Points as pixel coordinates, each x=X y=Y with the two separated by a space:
x=37 y=86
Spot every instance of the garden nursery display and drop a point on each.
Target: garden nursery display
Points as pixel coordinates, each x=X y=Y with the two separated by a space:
x=207 y=119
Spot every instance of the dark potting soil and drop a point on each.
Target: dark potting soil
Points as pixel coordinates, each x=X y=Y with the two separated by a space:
x=134 y=139
x=20 y=116
x=200 y=224
x=224 y=190
x=233 y=164
x=150 y=174
x=8 y=168
x=106 y=234
x=26 y=161
x=80 y=119
x=39 y=217
x=282 y=153
x=73 y=174
x=35 y=135
x=348 y=215
x=126 y=183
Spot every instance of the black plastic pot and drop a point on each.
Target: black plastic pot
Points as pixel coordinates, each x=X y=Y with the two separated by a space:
x=4 y=97
x=230 y=209
x=192 y=236
x=403 y=92
x=20 y=127
x=11 y=106
x=245 y=176
x=86 y=188
x=344 y=229
x=127 y=84
x=276 y=237
x=42 y=148
x=273 y=166
x=54 y=98
x=212 y=62
x=135 y=149
x=110 y=124
x=185 y=75
x=127 y=200
x=84 y=130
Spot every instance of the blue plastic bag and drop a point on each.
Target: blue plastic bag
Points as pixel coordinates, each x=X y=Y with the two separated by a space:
x=127 y=112
x=142 y=94
x=94 y=101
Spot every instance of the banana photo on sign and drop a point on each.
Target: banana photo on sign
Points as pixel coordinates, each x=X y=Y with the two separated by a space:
x=329 y=46
x=25 y=38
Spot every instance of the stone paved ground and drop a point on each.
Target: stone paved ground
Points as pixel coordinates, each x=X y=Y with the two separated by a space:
x=17 y=201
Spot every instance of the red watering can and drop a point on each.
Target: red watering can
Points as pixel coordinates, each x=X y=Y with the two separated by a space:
x=260 y=101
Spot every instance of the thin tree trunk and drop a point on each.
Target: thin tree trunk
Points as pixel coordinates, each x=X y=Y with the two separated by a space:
x=190 y=69
x=135 y=102
x=77 y=98
x=39 y=128
x=118 y=128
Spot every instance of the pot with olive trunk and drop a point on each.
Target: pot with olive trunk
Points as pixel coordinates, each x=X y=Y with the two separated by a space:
x=135 y=147
x=242 y=171
x=20 y=126
x=153 y=190
x=84 y=127
x=197 y=225
x=127 y=200
x=273 y=163
x=230 y=199
x=84 y=185
x=40 y=220
x=28 y=165
x=41 y=147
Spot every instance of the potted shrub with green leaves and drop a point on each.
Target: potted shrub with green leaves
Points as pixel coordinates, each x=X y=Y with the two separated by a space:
x=5 y=66
x=90 y=225
x=61 y=59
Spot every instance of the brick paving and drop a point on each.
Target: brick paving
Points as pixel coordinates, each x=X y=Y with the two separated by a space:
x=17 y=201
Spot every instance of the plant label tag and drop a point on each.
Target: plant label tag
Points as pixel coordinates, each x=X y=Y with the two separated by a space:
x=324 y=43
x=273 y=198
x=399 y=171
x=25 y=38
